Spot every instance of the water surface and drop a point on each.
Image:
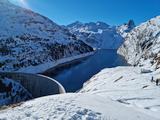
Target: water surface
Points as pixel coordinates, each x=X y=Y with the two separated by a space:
x=73 y=78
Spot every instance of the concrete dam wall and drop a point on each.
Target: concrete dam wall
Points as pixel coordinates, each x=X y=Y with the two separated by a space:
x=37 y=85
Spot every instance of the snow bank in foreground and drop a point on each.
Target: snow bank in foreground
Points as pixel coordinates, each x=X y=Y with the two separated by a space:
x=73 y=107
x=122 y=93
x=130 y=86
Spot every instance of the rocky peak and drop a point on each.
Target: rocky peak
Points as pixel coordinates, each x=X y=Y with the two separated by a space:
x=131 y=24
x=126 y=28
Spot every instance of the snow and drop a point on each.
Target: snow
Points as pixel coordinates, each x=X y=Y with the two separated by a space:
x=46 y=66
x=33 y=44
x=142 y=44
x=129 y=86
x=121 y=93
x=29 y=39
x=125 y=28
x=73 y=107
x=98 y=35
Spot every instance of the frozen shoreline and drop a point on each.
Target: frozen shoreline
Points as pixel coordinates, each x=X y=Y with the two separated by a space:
x=49 y=65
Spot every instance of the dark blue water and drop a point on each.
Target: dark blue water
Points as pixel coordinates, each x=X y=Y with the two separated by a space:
x=74 y=77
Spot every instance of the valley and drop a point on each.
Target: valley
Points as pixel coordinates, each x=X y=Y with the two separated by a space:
x=77 y=71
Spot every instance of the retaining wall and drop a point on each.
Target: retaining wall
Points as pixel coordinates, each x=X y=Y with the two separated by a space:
x=37 y=85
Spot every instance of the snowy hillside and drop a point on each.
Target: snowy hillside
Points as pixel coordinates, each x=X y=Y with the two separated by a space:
x=29 y=39
x=142 y=44
x=122 y=93
x=131 y=86
x=97 y=35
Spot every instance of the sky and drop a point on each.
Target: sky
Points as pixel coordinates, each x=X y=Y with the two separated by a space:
x=113 y=12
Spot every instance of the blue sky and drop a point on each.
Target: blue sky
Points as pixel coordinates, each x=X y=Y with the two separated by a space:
x=113 y=12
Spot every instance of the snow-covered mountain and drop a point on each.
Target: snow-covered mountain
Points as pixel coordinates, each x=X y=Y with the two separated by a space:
x=30 y=39
x=121 y=93
x=97 y=35
x=142 y=44
x=126 y=27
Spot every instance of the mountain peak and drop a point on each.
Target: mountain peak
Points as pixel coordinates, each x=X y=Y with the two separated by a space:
x=131 y=24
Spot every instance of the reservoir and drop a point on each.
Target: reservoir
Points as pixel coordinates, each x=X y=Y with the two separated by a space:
x=72 y=78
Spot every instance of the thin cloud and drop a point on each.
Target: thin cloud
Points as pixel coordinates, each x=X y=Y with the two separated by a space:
x=23 y=3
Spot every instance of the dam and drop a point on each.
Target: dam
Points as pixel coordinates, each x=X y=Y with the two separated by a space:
x=37 y=85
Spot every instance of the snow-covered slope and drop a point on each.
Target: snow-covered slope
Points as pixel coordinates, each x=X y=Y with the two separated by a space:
x=130 y=86
x=142 y=44
x=97 y=35
x=122 y=93
x=29 y=39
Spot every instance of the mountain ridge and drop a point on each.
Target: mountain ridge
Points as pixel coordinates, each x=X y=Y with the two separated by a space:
x=99 y=34
x=29 y=39
x=142 y=44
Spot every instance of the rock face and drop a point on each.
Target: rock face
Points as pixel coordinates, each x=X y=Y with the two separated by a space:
x=142 y=44
x=97 y=35
x=29 y=39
